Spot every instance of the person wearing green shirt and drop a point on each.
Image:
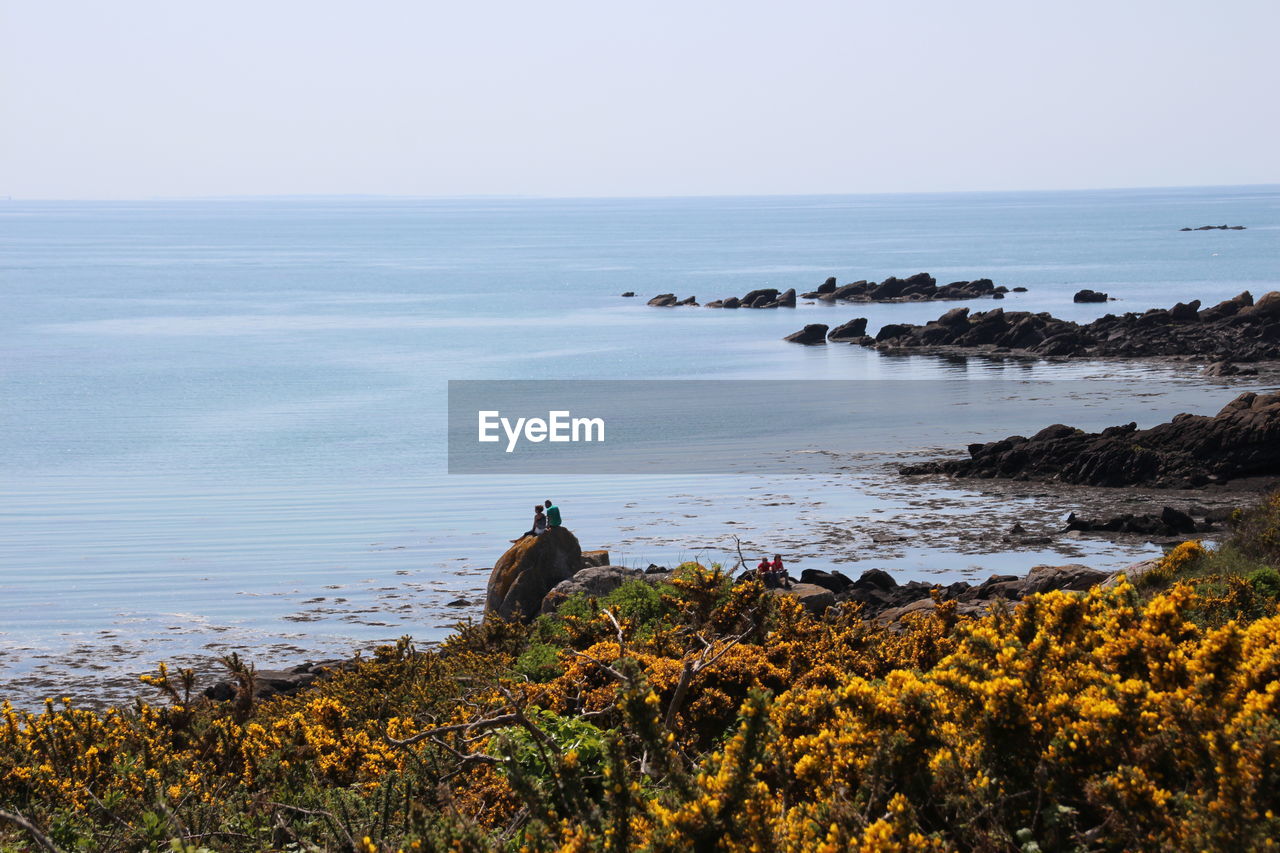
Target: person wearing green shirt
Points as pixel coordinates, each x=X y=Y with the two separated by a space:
x=553 y=514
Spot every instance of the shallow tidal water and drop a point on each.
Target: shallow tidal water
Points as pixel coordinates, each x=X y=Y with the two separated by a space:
x=223 y=421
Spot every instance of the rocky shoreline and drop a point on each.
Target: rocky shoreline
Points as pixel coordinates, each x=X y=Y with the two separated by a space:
x=1240 y=441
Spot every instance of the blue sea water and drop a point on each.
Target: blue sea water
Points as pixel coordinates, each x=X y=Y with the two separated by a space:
x=223 y=420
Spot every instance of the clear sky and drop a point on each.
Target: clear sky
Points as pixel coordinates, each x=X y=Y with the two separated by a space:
x=145 y=98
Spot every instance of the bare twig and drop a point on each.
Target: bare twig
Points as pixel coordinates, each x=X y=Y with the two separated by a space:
x=692 y=667
x=622 y=643
x=334 y=825
x=466 y=728
x=40 y=838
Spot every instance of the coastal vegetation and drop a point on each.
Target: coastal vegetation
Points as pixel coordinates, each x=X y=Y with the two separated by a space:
x=706 y=714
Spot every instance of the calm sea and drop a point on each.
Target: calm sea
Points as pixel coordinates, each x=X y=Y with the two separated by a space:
x=223 y=421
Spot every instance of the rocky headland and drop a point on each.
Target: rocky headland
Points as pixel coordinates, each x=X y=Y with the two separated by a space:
x=1241 y=441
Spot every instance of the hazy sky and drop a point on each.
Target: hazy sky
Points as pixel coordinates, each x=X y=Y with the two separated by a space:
x=135 y=98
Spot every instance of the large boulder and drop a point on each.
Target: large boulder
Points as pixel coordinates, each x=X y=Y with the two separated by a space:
x=837 y=582
x=594 y=581
x=523 y=576
x=663 y=300
x=816 y=599
x=595 y=558
x=1053 y=578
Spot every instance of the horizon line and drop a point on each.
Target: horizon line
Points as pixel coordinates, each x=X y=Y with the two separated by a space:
x=623 y=197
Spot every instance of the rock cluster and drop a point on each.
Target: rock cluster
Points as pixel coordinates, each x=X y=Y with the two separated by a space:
x=883 y=598
x=1090 y=296
x=1215 y=228
x=920 y=287
x=766 y=297
x=1168 y=522
x=1234 y=330
x=1242 y=440
x=670 y=300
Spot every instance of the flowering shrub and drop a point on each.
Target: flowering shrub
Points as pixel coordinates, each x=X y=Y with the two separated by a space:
x=711 y=716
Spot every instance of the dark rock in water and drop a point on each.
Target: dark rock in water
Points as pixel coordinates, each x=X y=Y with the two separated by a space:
x=1019 y=289
x=849 y=331
x=1226 y=368
x=688 y=300
x=1089 y=296
x=595 y=582
x=1242 y=440
x=1168 y=522
x=718 y=303
x=529 y=569
x=834 y=581
x=1233 y=330
x=628 y=294
x=810 y=335
x=663 y=300
x=892 y=330
x=764 y=296
x=1215 y=228
x=788 y=299
x=1177 y=521
x=732 y=302
x=827 y=286
x=459 y=602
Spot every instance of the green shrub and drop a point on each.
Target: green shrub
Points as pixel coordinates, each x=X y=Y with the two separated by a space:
x=540 y=663
x=1266 y=582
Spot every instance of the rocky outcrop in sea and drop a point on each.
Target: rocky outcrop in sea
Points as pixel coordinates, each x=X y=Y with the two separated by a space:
x=1190 y=451
x=1236 y=330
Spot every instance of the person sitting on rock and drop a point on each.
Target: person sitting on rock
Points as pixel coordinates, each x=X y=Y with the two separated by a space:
x=539 y=524
x=779 y=572
x=553 y=514
x=765 y=572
